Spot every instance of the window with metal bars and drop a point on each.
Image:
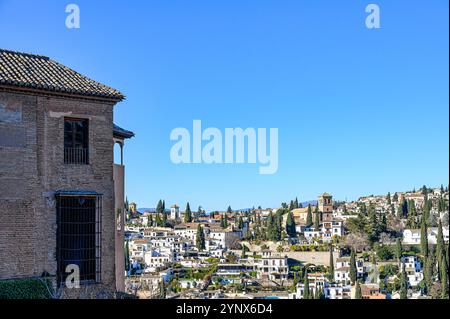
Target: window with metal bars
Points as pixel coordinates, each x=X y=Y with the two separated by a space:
x=79 y=236
x=76 y=138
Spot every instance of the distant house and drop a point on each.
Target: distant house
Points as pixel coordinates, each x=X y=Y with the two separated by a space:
x=371 y=291
x=413 y=269
x=342 y=269
x=272 y=266
x=413 y=236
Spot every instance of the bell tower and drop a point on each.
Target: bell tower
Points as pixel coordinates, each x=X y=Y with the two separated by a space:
x=325 y=203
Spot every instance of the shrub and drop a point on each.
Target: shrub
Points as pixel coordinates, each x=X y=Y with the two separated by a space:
x=25 y=289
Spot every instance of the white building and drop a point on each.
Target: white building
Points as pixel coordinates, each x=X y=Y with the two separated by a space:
x=155 y=260
x=225 y=238
x=412 y=236
x=271 y=266
x=331 y=229
x=342 y=270
x=311 y=234
x=413 y=269
x=187 y=231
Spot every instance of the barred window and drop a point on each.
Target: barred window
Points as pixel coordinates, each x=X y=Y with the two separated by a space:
x=76 y=137
x=79 y=236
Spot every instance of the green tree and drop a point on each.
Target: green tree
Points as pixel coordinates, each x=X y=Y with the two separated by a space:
x=162 y=290
x=225 y=220
x=158 y=220
x=424 y=238
x=316 y=218
x=200 y=238
x=164 y=219
x=444 y=278
x=388 y=198
x=403 y=284
x=402 y=210
x=440 y=249
x=244 y=251
x=159 y=211
x=150 y=221
x=290 y=225
x=398 y=249
x=395 y=197
x=358 y=292
x=331 y=262
x=296 y=203
x=240 y=223
x=229 y=210
x=373 y=227
x=353 y=269
x=306 y=291
x=412 y=218
x=309 y=221
x=188 y=214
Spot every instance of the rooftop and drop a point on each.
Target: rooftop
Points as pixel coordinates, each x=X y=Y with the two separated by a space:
x=36 y=72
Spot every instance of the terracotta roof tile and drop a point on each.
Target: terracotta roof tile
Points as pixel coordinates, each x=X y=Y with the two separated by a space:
x=39 y=72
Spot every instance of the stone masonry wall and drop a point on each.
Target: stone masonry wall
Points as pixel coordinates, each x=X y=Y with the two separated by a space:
x=32 y=168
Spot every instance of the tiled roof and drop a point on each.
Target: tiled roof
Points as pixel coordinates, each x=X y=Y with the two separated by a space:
x=120 y=132
x=41 y=73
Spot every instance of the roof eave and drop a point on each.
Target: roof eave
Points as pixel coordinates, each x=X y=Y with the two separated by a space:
x=32 y=90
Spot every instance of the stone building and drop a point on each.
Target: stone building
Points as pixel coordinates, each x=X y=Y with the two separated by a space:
x=61 y=196
x=325 y=202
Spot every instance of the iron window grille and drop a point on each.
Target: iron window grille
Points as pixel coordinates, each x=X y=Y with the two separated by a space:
x=79 y=236
x=76 y=141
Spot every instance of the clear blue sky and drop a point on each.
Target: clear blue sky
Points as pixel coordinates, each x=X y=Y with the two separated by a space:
x=359 y=111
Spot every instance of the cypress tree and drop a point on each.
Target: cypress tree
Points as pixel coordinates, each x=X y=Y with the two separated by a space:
x=383 y=223
x=411 y=207
x=225 y=220
x=296 y=203
x=188 y=214
x=388 y=198
x=150 y=221
x=158 y=220
x=291 y=205
x=200 y=238
x=429 y=267
x=444 y=278
x=403 y=284
x=358 y=292
x=353 y=269
x=331 y=262
x=424 y=238
x=244 y=251
x=395 y=197
x=270 y=227
x=317 y=218
x=306 y=291
x=164 y=219
x=240 y=223
x=399 y=249
x=440 y=246
x=309 y=220
x=290 y=225
x=162 y=290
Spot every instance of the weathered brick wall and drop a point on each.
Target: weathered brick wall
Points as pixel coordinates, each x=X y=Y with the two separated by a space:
x=32 y=168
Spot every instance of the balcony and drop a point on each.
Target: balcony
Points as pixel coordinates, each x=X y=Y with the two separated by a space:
x=76 y=156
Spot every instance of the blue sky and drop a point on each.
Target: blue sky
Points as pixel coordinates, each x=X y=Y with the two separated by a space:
x=359 y=111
